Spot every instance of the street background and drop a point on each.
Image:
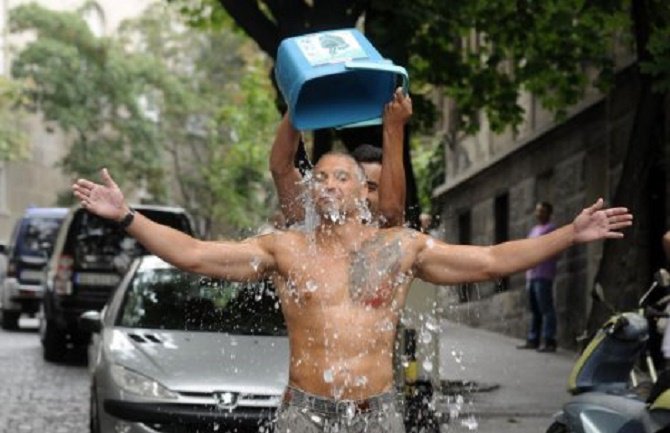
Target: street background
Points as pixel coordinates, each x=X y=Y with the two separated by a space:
x=527 y=387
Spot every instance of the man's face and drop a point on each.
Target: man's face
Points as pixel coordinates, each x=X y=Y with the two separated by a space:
x=338 y=187
x=542 y=214
x=373 y=173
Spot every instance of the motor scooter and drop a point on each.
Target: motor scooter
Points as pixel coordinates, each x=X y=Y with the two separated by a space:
x=604 y=379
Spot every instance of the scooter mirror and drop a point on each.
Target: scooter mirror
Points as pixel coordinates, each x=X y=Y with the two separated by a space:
x=662 y=277
x=598 y=292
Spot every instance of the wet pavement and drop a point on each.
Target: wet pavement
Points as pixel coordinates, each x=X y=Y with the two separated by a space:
x=521 y=389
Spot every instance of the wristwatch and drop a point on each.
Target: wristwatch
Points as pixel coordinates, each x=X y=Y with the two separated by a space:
x=127 y=220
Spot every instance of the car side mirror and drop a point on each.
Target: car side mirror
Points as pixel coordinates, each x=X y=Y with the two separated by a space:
x=91 y=321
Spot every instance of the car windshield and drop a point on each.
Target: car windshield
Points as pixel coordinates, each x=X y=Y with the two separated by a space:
x=39 y=233
x=174 y=300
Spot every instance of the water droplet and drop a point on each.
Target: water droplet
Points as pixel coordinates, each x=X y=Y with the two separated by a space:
x=431 y=324
x=458 y=356
x=328 y=376
x=386 y=325
x=427 y=365
x=311 y=286
x=470 y=423
x=216 y=427
x=233 y=342
x=361 y=381
x=425 y=336
x=255 y=263
x=430 y=243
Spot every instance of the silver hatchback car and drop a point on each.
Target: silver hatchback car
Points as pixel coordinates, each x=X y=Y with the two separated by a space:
x=174 y=352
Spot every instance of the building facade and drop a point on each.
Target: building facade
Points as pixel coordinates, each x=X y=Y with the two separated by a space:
x=493 y=182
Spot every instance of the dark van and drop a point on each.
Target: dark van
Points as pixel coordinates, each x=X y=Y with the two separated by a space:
x=29 y=249
x=90 y=257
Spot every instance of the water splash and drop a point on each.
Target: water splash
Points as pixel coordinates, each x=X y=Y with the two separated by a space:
x=470 y=423
x=458 y=355
x=427 y=365
x=425 y=336
x=311 y=286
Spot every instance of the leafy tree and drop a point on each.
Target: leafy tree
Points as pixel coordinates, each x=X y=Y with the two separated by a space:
x=13 y=139
x=160 y=105
x=89 y=87
x=217 y=117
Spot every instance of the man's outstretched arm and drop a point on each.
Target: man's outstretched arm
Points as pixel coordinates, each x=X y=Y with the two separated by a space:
x=238 y=261
x=392 y=188
x=439 y=263
x=284 y=173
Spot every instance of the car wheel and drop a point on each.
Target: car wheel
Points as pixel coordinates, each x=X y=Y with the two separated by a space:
x=93 y=420
x=558 y=427
x=10 y=319
x=53 y=345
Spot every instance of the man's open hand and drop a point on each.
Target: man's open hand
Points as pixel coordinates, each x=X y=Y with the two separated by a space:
x=595 y=223
x=105 y=200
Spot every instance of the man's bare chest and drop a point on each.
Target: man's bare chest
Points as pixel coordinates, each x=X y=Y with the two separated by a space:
x=371 y=275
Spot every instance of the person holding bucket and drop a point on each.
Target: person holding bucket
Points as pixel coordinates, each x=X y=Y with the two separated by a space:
x=342 y=287
x=383 y=168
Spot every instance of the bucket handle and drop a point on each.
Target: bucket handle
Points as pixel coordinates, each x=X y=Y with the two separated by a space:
x=376 y=66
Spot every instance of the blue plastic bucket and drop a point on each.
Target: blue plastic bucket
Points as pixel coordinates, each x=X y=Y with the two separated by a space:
x=335 y=79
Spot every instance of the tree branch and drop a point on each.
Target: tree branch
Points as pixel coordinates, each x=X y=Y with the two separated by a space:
x=255 y=23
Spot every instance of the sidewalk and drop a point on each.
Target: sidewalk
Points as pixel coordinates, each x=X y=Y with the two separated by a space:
x=531 y=385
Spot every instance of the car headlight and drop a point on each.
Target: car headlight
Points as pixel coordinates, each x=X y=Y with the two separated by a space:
x=138 y=384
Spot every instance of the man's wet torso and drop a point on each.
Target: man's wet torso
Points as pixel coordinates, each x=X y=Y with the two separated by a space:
x=341 y=298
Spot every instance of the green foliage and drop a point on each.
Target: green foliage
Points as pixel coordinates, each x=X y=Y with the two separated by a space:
x=161 y=105
x=89 y=86
x=217 y=118
x=658 y=66
x=484 y=52
x=428 y=163
x=13 y=138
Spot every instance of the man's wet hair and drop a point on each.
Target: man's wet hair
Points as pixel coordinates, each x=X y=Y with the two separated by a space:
x=360 y=172
x=367 y=153
x=547 y=206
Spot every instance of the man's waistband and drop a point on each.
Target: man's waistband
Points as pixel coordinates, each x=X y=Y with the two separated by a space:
x=296 y=397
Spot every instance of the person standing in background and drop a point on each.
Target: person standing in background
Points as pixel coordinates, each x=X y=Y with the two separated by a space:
x=540 y=286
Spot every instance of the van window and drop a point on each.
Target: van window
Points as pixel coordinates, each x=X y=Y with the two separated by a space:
x=36 y=232
x=97 y=243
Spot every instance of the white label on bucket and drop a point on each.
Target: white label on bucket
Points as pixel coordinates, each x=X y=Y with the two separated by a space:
x=330 y=47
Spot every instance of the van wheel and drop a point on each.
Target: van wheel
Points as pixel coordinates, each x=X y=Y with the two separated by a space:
x=10 y=320
x=558 y=427
x=53 y=344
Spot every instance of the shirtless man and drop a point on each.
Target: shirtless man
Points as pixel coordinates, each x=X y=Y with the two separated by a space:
x=343 y=286
x=385 y=173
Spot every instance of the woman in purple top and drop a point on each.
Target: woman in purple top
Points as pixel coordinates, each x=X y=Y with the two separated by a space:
x=540 y=282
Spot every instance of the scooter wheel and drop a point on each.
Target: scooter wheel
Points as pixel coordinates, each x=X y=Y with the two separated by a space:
x=558 y=427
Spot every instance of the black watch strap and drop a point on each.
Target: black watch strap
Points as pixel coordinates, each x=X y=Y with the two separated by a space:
x=127 y=219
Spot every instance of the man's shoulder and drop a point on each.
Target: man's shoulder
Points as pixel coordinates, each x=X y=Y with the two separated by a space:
x=400 y=232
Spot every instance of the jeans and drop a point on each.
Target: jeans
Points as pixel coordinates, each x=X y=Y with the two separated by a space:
x=543 y=314
x=299 y=418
